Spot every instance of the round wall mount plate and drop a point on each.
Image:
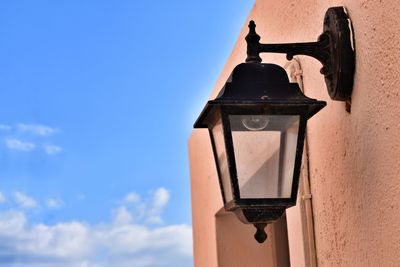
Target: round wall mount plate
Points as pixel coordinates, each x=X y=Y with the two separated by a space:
x=339 y=78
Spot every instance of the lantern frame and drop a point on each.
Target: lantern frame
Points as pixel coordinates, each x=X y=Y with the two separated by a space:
x=257 y=89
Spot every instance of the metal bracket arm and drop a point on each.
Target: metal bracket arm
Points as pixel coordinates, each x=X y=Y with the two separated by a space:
x=334 y=49
x=318 y=50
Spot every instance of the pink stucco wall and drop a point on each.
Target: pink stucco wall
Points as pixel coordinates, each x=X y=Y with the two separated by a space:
x=354 y=158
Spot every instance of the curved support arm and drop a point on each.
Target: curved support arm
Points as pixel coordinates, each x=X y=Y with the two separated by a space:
x=334 y=49
x=318 y=50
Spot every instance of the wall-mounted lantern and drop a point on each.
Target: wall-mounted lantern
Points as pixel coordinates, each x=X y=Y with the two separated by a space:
x=258 y=121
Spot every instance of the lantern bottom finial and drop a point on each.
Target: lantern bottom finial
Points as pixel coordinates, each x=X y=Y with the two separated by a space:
x=260 y=235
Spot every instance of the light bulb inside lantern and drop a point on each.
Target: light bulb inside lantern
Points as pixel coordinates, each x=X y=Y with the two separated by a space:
x=255 y=122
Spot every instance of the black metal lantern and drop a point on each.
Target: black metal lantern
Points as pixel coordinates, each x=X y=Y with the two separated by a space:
x=257 y=126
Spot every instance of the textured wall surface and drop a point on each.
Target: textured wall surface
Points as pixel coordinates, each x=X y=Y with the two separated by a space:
x=354 y=158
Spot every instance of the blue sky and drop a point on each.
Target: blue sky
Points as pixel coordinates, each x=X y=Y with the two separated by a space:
x=97 y=101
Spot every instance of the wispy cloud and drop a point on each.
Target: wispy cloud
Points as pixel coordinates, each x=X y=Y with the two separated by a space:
x=2 y=198
x=132 y=198
x=54 y=203
x=16 y=144
x=121 y=242
x=36 y=129
x=150 y=208
x=37 y=134
x=4 y=127
x=122 y=216
x=52 y=149
x=160 y=200
x=24 y=200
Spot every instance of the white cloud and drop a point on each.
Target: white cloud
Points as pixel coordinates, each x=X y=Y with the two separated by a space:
x=121 y=216
x=52 y=149
x=16 y=144
x=134 y=244
x=160 y=200
x=120 y=242
x=4 y=127
x=148 y=210
x=36 y=129
x=54 y=203
x=24 y=200
x=132 y=197
x=2 y=198
x=11 y=223
x=62 y=241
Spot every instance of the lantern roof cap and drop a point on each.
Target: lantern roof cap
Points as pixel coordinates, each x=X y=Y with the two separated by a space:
x=259 y=81
x=261 y=84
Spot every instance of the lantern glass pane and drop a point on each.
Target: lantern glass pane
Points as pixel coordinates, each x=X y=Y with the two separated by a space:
x=220 y=154
x=265 y=151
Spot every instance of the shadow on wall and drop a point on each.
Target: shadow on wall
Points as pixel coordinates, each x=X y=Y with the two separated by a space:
x=236 y=246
